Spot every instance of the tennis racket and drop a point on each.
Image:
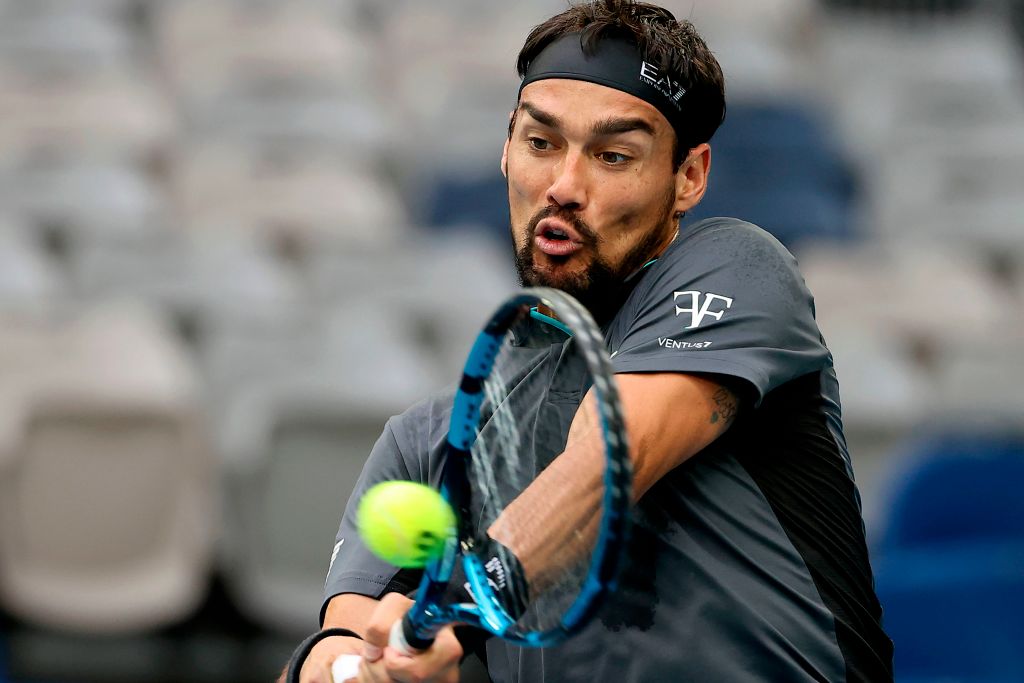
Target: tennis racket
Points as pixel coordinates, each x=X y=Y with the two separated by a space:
x=537 y=407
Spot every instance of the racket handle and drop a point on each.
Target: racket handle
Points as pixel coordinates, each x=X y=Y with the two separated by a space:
x=404 y=639
x=345 y=667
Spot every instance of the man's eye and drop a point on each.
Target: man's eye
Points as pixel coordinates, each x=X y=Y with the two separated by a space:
x=539 y=144
x=613 y=158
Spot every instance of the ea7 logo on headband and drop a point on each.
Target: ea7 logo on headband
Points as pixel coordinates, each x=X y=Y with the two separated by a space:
x=671 y=89
x=700 y=306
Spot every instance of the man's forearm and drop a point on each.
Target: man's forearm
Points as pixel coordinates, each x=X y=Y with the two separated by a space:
x=350 y=611
x=554 y=521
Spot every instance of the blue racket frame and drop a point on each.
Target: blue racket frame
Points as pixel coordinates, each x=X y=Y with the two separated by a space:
x=428 y=614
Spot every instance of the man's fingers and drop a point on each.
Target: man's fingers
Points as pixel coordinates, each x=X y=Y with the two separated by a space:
x=317 y=667
x=434 y=665
x=437 y=664
x=322 y=674
x=392 y=608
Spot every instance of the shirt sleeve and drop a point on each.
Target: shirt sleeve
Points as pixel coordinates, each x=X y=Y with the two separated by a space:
x=354 y=568
x=726 y=298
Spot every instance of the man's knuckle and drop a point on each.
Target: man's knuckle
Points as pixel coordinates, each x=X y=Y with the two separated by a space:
x=377 y=629
x=393 y=599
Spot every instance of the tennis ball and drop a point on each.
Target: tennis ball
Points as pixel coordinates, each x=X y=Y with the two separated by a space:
x=405 y=523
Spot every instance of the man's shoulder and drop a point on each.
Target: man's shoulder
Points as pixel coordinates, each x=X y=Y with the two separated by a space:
x=725 y=233
x=716 y=250
x=423 y=421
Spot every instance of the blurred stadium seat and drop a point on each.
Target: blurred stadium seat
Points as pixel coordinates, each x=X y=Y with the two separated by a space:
x=246 y=317
x=435 y=289
x=965 y=192
x=949 y=565
x=98 y=220
x=91 y=198
x=917 y=331
x=453 y=110
x=107 y=516
x=106 y=113
x=293 y=453
x=767 y=49
x=29 y=281
x=459 y=200
x=212 y=46
x=909 y=8
x=884 y=76
x=978 y=380
x=300 y=73
x=281 y=191
x=777 y=164
x=910 y=290
x=47 y=37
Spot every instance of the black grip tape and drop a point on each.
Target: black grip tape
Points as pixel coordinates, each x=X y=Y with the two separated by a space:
x=413 y=640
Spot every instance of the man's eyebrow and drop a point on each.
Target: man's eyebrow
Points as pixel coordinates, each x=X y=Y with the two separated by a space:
x=612 y=126
x=540 y=116
x=618 y=126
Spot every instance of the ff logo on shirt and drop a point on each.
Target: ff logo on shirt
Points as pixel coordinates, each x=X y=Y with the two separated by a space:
x=700 y=304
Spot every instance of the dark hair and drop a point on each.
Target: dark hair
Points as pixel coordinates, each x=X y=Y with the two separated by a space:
x=673 y=45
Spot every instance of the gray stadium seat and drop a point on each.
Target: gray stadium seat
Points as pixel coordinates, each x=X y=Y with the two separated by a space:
x=299 y=73
x=978 y=378
x=105 y=112
x=767 y=49
x=292 y=453
x=878 y=71
x=283 y=191
x=967 y=194
x=435 y=289
x=29 y=280
x=211 y=46
x=910 y=290
x=107 y=514
x=63 y=38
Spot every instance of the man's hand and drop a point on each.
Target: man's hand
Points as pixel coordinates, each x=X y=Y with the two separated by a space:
x=382 y=664
x=317 y=667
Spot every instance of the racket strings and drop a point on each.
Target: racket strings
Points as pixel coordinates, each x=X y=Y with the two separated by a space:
x=525 y=427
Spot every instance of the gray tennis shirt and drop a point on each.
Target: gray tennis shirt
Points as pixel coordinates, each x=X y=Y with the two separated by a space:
x=746 y=563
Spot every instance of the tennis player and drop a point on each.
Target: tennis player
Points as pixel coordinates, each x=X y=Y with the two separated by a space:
x=748 y=559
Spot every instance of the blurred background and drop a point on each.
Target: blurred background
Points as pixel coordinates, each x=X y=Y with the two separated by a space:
x=236 y=235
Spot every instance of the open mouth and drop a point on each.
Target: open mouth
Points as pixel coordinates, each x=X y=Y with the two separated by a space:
x=556 y=239
x=555 y=234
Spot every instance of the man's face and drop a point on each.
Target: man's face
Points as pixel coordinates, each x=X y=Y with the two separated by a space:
x=593 y=193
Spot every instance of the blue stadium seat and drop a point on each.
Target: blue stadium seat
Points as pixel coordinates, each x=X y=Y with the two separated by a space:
x=950 y=565
x=778 y=165
x=474 y=200
x=960 y=489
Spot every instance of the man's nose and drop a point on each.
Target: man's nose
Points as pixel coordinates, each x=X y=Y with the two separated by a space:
x=568 y=187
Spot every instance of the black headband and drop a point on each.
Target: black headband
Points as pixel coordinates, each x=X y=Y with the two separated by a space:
x=615 y=63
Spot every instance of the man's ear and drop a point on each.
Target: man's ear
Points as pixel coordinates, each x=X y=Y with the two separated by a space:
x=504 y=152
x=692 y=178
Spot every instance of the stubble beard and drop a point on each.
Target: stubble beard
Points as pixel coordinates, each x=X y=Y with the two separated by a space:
x=601 y=287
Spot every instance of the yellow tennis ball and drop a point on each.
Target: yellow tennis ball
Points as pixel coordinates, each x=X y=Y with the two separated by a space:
x=405 y=523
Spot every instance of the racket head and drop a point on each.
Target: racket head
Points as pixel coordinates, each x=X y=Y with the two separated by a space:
x=510 y=419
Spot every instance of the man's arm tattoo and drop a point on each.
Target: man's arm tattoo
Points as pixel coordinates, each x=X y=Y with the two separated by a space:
x=726 y=407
